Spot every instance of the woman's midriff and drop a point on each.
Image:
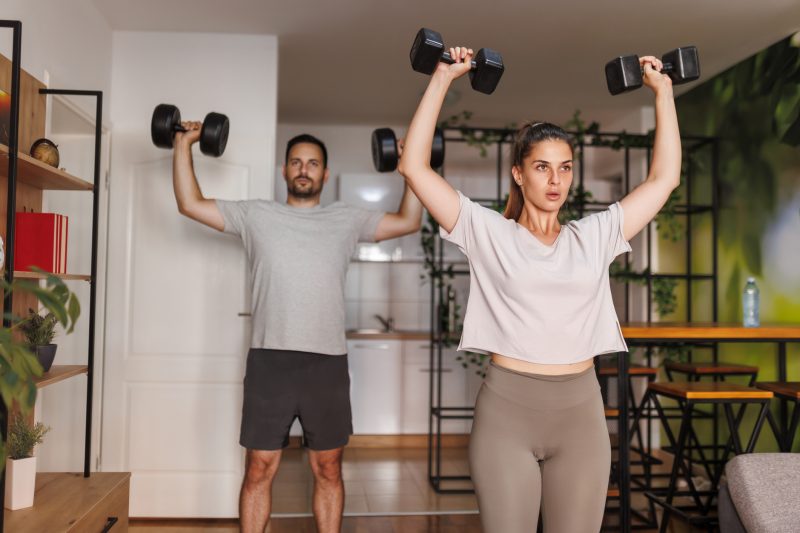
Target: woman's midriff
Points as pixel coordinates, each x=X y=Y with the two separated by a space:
x=538 y=368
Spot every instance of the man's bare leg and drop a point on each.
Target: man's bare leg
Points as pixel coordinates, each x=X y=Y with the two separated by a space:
x=255 y=499
x=328 y=489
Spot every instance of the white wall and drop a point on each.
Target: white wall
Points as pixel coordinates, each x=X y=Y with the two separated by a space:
x=69 y=40
x=232 y=74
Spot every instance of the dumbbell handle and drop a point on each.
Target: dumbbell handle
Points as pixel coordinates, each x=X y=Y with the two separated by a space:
x=668 y=67
x=450 y=61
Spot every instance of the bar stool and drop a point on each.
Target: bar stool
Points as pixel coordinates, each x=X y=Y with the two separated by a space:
x=689 y=395
x=786 y=391
x=718 y=371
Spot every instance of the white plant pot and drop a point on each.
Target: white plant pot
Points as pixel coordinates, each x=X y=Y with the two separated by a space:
x=20 y=483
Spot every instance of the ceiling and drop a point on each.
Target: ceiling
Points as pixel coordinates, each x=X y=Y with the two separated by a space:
x=346 y=61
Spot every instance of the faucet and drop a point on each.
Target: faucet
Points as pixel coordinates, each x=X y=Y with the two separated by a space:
x=387 y=323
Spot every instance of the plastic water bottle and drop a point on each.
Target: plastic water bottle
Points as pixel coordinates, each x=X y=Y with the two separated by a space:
x=750 y=304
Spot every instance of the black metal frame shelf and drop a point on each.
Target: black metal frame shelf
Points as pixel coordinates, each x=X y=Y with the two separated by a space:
x=618 y=141
x=13 y=152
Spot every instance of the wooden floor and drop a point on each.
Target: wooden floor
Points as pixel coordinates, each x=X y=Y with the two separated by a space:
x=380 y=485
x=351 y=524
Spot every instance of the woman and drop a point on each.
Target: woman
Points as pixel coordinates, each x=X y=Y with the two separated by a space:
x=540 y=304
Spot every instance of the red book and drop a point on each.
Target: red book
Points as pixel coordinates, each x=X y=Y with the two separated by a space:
x=64 y=234
x=40 y=240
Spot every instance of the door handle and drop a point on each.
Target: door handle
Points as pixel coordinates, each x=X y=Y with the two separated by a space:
x=109 y=524
x=244 y=314
x=372 y=346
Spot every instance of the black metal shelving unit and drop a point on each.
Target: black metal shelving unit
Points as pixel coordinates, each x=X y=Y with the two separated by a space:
x=13 y=150
x=692 y=146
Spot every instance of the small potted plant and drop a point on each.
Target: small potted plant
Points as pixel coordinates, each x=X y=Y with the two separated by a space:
x=39 y=332
x=21 y=463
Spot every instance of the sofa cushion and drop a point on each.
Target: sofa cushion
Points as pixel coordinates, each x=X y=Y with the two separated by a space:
x=765 y=488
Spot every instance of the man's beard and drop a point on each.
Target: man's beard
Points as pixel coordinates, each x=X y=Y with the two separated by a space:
x=303 y=190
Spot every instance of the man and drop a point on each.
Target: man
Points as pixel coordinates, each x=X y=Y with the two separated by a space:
x=297 y=365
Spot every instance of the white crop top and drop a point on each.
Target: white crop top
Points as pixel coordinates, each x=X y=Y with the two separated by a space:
x=534 y=302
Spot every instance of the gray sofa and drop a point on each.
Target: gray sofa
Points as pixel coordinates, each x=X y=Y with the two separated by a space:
x=760 y=494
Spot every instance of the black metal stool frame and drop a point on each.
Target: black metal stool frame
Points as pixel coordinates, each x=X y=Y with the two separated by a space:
x=785 y=439
x=733 y=444
x=715 y=446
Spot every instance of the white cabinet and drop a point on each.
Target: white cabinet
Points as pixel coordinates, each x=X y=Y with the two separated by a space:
x=389 y=387
x=416 y=387
x=376 y=386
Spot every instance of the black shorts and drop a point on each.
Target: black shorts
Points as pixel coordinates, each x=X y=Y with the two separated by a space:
x=281 y=385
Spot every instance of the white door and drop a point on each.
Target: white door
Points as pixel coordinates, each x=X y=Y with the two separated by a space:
x=175 y=345
x=175 y=341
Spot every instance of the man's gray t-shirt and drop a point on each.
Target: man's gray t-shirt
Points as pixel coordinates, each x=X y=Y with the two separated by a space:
x=298 y=262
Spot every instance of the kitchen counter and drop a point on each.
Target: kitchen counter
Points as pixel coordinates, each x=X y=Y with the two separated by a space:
x=377 y=334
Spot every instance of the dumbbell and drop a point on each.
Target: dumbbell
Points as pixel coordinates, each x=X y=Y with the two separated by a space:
x=167 y=120
x=385 y=153
x=428 y=50
x=624 y=73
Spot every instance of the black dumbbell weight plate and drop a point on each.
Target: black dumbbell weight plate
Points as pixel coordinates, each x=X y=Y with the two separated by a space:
x=214 y=135
x=682 y=64
x=623 y=74
x=162 y=125
x=487 y=72
x=384 y=150
x=437 y=149
x=426 y=51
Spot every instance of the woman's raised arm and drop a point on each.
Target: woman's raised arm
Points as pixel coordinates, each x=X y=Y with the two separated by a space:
x=438 y=196
x=643 y=203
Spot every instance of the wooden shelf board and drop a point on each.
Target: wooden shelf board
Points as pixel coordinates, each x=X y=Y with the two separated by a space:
x=23 y=274
x=62 y=499
x=60 y=373
x=41 y=175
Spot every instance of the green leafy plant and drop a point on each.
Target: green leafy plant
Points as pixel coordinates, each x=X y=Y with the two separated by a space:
x=664 y=297
x=668 y=225
x=478 y=360
x=576 y=202
x=442 y=279
x=18 y=366
x=22 y=438
x=38 y=330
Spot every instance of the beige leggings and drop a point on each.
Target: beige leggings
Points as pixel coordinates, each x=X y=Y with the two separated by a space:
x=540 y=441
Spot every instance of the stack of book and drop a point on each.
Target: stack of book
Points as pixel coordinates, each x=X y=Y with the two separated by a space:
x=40 y=240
